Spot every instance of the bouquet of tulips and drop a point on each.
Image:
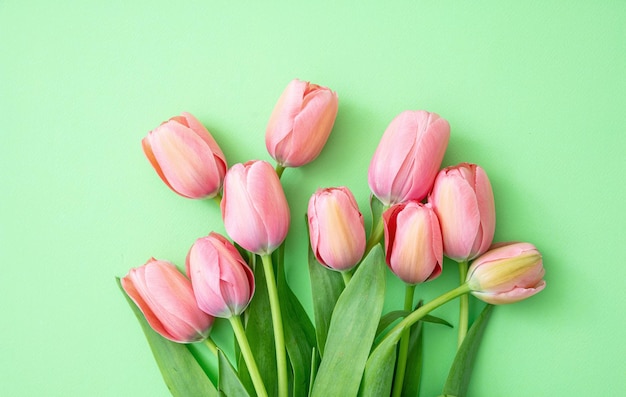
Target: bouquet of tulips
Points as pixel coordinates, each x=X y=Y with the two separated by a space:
x=349 y=347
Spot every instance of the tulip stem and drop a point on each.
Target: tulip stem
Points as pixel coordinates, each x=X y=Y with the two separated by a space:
x=403 y=350
x=240 y=334
x=463 y=306
x=427 y=308
x=277 y=323
x=279 y=170
x=210 y=343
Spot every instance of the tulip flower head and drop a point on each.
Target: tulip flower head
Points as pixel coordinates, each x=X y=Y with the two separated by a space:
x=300 y=123
x=408 y=157
x=413 y=244
x=463 y=200
x=165 y=297
x=222 y=282
x=254 y=207
x=507 y=273
x=336 y=228
x=186 y=157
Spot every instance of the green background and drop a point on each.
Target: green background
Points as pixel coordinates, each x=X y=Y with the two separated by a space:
x=534 y=91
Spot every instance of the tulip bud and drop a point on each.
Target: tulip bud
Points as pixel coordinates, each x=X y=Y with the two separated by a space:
x=408 y=157
x=300 y=123
x=507 y=273
x=413 y=242
x=336 y=228
x=222 y=281
x=463 y=200
x=254 y=207
x=186 y=157
x=165 y=298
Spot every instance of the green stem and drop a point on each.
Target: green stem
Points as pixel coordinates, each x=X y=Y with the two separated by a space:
x=277 y=322
x=211 y=345
x=463 y=306
x=427 y=308
x=279 y=170
x=246 y=352
x=403 y=350
x=376 y=236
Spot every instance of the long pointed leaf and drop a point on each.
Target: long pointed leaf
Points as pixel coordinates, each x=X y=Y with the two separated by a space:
x=376 y=209
x=326 y=286
x=378 y=375
x=413 y=374
x=260 y=336
x=391 y=317
x=229 y=384
x=181 y=372
x=300 y=338
x=461 y=370
x=352 y=330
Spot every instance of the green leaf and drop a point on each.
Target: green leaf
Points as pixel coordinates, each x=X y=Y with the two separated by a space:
x=376 y=209
x=378 y=375
x=352 y=330
x=413 y=373
x=461 y=370
x=229 y=384
x=391 y=317
x=258 y=325
x=315 y=363
x=299 y=332
x=326 y=287
x=181 y=372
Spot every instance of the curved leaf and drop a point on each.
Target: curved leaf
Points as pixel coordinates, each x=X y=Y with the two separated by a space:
x=300 y=338
x=229 y=383
x=352 y=330
x=461 y=369
x=326 y=286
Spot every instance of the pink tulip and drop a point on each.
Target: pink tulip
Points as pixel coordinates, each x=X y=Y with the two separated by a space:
x=222 y=281
x=165 y=298
x=408 y=157
x=336 y=228
x=186 y=157
x=300 y=123
x=254 y=207
x=413 y=244
x=507 y=273
x=463 y=200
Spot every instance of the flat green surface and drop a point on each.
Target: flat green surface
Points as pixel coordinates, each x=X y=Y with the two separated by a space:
x=534 y=91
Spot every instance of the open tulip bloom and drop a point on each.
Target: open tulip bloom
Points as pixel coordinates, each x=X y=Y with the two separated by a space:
x=350 y=348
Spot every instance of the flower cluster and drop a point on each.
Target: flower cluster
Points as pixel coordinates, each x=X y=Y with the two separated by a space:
x=427 y=213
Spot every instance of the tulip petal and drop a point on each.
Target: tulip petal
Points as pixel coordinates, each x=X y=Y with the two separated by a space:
x=459 y=216
x=512 y=296
x=486 y=207
x=241 y=220
x=185 y=160
x=269 y=202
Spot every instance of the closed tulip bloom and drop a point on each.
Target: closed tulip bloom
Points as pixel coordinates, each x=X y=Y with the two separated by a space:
x=463 y=200
x=186 y=157
x=300 y=123
x=222 y=281
x=408 y=157
x=336 y=228
x=164 y=296
x=507 y=273
x=413 y=244
x=254 y=207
